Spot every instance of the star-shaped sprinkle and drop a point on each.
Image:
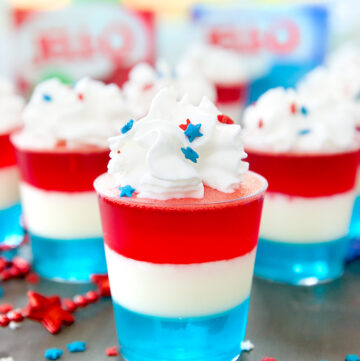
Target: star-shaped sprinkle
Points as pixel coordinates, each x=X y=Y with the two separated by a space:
x=76 y=346
x=268 y=359
x=47 y=97
x=48 y=311
x=80 y=96
x=304 y=131
x=352 y=358
x=53 y=353
x=184 y=126
x=127 y=126
x=126 y=191
x=247 y=346
x=193 y=131
x=260 y=124
x=190 y=154
x=102 y=283
x=112 y=351
x=293 y=108
x=304 y=110
x=222 y=118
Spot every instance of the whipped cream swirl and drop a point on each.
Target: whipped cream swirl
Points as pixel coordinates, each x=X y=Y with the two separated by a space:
x=162 y=156
x=285 y=121
x=145 y=82
x=86 y=114
x=11 y=106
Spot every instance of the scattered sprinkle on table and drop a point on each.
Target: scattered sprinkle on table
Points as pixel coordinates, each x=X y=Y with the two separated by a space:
x=247 y=346
x=112 y=351
x=76 y=346
x=268 y=359
x=53 y=353
x=352 y=357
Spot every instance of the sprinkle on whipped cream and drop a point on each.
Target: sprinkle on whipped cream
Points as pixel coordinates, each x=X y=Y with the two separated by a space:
x=287 y=121
x=86 y=114
x=145 y=82
x=11 y=106
x=158 y=160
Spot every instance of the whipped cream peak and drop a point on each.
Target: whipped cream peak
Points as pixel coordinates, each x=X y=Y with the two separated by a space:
x=145 y=82
x=86 y=114
x=285 y=121
x=11 y=106
x=177 y=149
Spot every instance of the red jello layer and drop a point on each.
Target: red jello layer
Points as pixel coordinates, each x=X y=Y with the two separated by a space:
x=231 y=93
x=218 y=227
x=7 y=155
x=62 y=169
x=306 y=175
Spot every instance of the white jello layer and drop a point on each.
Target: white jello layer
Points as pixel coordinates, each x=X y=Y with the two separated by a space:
x=306 y=220
x=9 y=186
x=60 y=215
x=191 y=290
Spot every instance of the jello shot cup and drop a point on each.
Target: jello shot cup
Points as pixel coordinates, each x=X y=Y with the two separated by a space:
x=60 y=152
x=181 y=270
x=310 y=160
x=180 y=241
x=11 y=231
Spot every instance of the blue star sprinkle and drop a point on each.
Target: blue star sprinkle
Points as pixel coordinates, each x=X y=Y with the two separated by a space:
x=193 y=131
x=126 y=191
x=352 y=358
x=304 y=110
x=304 y=131
x=1 y=292
x=76 y=346
x=47 y=97
x=190 y=154
x=127 y=126
x=53 y=354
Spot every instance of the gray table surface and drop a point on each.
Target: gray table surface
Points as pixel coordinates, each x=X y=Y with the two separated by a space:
x=287 y=323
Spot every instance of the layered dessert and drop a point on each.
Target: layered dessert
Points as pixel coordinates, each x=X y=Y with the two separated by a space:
x=339 y=83
x=227 y=70
x=309 y=157
x=60 y=151
x=180 y=213
x=11 y=106
x=146 y=81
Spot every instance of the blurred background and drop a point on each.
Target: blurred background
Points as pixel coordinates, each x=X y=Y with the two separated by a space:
x=279 y=41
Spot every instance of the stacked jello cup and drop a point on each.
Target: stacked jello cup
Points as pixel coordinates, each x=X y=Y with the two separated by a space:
x=11 y=106
x=309 y=157
x=60 y=151
x=228 y=71
x=180 y=213
x=145 y=82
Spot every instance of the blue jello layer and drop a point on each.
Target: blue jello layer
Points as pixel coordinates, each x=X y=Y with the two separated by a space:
x=11 y=233
x=300 y=264
x=355 y=231
x=68 y=260
x=211 y=338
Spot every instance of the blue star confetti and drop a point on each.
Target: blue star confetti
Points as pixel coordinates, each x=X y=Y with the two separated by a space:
x=193 y=131
x=47 y=97
x=304 y=131
x=190 y=154
x=126 y=191
x=304 y=110
x=53 y=353
x=76 y=346
x=352 y=358
x=127 y=126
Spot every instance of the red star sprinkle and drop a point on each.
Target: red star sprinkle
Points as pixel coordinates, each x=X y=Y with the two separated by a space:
x=222 y=118
x=293 y=108
x=61 y=143
x=81 y=96
x=111 y=351
x=184 y=126
x=102 y=283
x=148 y=86
x=32 y=278
x=48 y=311
x=261 y=123
x=268 y=359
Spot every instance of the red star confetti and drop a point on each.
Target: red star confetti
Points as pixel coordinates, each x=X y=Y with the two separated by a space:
x=184 y=126
x=102 y=283
x=48 y=311
x=260 y=124
x=268 y=359
x=293 y=108
x=222 y=118
x=81 y=96
x=112 y=351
